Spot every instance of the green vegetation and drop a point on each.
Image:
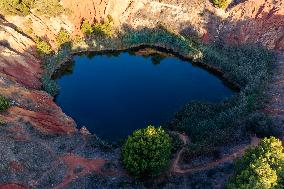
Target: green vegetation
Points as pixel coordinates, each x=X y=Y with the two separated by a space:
x=210 y=125
x=43 y=47
x=19 y=7
x=49 y=7
x=4 y=103
x=2 y=122
x=147 y=152
x=220 y=3
x=86 y=28
x=62 y=38
x=24 y=7
x=104 y=29
x=261 y=167
x=49 y=85
x=51 y=62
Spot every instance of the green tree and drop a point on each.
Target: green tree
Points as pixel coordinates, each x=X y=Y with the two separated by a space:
x=147 y=152
x=261 y=167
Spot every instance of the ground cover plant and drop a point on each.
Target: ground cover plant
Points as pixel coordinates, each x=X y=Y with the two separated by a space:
x=147 y=152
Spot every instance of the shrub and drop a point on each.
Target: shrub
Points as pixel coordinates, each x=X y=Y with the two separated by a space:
x=261 y=167
x=104 y=29
x=147 y=152
x=220 y=3
x=4 y=104
x=86 y=28
x=43 y=47
x=62 y=37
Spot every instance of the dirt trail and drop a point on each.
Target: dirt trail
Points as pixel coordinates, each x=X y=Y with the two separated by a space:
x=238 y=153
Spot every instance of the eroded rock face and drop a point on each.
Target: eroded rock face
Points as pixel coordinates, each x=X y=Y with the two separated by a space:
x=248 y=22
x=258 y=22
x=96 y=11
x=20 y=73
x=17 y=56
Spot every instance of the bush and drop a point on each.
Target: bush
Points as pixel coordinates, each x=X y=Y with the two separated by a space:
x=62 y=37
x=4 y=104
x=104 y=29
x=147 y=152
x=43 y=48
x=220 y=3
x=261 y=167
x=86 y=28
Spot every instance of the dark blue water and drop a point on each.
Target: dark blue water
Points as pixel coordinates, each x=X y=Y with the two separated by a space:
x=114 y=95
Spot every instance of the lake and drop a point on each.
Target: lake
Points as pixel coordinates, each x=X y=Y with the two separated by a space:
x=113 y=94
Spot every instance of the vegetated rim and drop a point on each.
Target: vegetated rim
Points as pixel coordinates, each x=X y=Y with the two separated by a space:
x=234 y=86
x=209 y=68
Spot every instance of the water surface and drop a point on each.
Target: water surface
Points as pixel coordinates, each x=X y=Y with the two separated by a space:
x=114 y=95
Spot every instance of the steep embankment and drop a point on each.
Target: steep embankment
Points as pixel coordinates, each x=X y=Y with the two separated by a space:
x=20 y=81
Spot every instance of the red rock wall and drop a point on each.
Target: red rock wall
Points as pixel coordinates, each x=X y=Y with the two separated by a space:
x=258 y=21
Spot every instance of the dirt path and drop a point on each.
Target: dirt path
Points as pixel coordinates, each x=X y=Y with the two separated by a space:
x=229 y=158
